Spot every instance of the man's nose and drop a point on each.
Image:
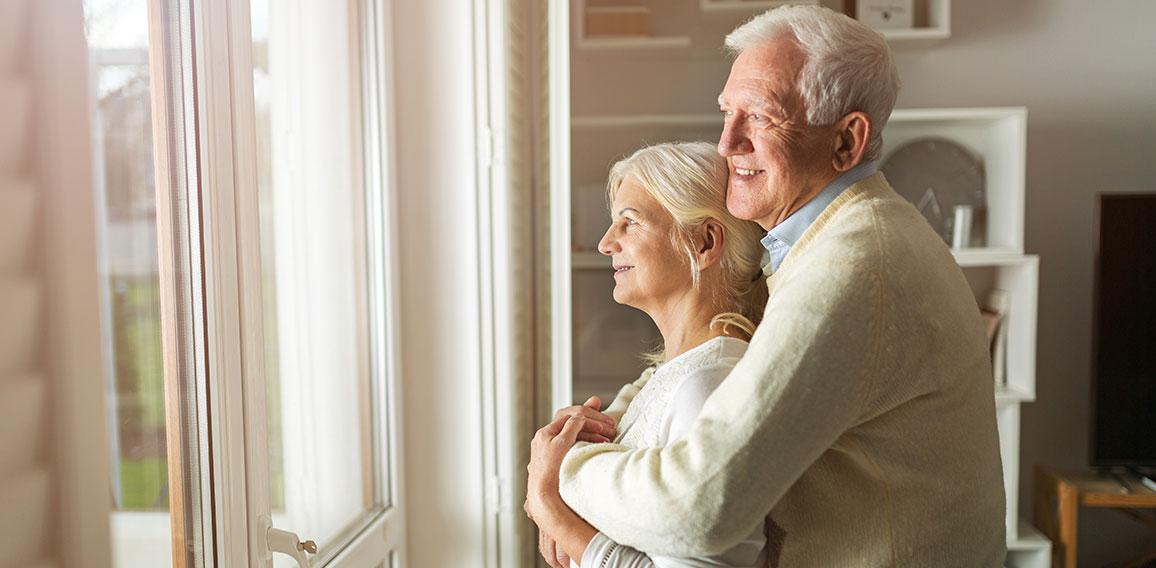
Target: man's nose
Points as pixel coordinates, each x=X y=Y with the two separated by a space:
x=733 y=139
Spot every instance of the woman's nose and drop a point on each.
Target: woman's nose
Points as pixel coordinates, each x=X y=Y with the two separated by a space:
x=609 y=244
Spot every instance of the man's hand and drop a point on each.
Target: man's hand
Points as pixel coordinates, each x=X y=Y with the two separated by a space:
x=547 y=449
x=598 y=427
x=550 y=551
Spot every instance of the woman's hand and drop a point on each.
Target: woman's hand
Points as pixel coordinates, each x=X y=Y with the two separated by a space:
x=598 y=427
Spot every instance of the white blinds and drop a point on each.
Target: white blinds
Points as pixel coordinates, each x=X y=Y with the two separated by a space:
x=24 y=473
x=48 y=343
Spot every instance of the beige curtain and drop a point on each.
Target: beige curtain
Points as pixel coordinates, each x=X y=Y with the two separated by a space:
x=526 y=159
x=53 y=468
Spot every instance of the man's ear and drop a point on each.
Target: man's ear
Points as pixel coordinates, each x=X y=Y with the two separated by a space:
x=851 y=135
x=710 y=238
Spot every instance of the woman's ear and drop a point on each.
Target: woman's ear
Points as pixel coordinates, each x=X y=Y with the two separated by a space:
x=710 y=239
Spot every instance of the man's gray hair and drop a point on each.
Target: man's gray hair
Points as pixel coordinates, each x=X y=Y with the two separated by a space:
x=848 y=66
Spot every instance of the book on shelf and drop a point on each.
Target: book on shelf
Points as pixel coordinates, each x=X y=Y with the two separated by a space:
x=617 y=21
x=994 y=310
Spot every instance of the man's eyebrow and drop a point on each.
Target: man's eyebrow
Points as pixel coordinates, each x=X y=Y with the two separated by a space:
x=757 y=102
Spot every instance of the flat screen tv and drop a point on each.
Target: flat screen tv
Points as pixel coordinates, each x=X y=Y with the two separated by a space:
x=1123 y=412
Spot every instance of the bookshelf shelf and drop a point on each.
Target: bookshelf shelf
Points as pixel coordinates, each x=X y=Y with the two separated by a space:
x=642 y=42
x=1006 y=396
x=589 y=260
x=595 y=122
x=936 y=28
x=987 y=256
x=751 y=6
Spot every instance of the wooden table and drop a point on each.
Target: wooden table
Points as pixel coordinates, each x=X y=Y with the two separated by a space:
x=1059 y=496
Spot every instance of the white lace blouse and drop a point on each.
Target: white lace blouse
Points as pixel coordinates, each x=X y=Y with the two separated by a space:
x=659 y=415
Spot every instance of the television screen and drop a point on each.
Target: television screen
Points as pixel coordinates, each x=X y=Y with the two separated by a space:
x=1123 y=413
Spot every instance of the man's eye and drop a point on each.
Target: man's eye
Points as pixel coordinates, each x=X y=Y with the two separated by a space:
x=756 y=116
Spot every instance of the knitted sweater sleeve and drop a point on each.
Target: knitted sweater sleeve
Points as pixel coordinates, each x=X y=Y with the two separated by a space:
x=625 y=395
x=804 y=381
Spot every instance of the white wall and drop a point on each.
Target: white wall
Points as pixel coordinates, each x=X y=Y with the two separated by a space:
x=1086 y=71
x=440 y=308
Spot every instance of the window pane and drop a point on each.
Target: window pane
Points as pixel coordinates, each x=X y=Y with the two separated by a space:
x=320 y=386
x=117 y=32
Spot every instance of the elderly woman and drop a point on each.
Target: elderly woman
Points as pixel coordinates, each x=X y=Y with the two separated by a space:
x=679 y=256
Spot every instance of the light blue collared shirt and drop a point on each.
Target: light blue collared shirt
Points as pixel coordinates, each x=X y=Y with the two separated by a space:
x=783 y=236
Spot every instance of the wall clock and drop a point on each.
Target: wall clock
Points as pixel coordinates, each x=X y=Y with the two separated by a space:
x=938 y=175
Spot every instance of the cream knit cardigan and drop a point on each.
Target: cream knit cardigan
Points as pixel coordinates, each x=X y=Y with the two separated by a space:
x=862 y=417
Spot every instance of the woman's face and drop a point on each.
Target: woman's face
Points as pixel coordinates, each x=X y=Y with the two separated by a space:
x=649 y=272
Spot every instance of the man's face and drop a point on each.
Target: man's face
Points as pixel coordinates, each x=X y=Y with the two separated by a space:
x=777 y=162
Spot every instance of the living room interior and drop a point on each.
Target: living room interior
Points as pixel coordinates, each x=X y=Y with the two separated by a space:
x=306 y=272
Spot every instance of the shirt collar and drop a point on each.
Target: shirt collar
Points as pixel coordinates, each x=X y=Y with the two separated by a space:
x=792 y=228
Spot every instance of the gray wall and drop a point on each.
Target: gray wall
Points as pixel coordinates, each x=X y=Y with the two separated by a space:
x=1086 y=71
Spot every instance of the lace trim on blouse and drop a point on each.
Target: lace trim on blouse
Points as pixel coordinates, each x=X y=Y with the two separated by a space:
x=641 y=425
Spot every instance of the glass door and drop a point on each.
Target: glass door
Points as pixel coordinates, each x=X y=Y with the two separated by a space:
x=273 y=185
x=320 y=186
x=319 y=134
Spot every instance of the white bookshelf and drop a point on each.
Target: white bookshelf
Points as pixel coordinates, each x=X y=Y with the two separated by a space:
x=999 y=137
x=586 y=260
x=581 y=41
x=745 y=6
x=936 y=29
x=1030 y=549
x=620 y=43
x=610 y=122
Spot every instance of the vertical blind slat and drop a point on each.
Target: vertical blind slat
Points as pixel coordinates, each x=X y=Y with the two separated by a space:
x=22 y=420
x=24 y=517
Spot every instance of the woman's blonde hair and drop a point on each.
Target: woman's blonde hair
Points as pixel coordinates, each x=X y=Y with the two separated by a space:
x=689 y=180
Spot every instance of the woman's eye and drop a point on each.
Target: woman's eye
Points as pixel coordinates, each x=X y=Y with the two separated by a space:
x=756 y=117
x=631 y=222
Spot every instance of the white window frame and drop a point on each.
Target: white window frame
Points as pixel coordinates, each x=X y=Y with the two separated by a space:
x=230 y=251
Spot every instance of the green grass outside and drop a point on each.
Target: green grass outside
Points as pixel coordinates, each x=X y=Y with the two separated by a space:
x=141 y=481
x=140 y=392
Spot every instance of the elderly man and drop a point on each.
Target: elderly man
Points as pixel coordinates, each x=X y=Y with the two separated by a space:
x=861 y=422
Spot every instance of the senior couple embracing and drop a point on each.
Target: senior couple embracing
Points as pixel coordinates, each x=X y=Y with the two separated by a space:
x=833 y=408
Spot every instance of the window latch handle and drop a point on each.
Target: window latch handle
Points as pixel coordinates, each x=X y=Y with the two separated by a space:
x=289 y=543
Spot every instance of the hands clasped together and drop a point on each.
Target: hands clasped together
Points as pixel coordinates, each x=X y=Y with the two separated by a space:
x=560 y=530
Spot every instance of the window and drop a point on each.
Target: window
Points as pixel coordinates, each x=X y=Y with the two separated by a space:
x=268 y=405
x=117 y=32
